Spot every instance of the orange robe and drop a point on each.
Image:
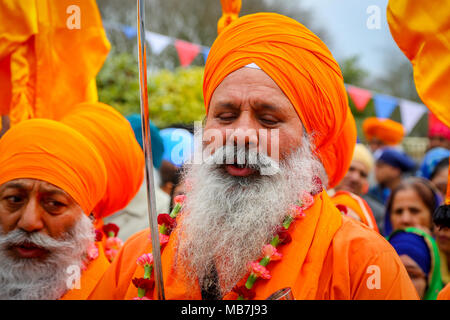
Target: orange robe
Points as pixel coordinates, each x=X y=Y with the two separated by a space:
x=330 y=257
x=90 y=277
x=445 y=293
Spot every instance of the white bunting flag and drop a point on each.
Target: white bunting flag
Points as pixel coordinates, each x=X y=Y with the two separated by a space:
x=158 y=42
x=411 y=112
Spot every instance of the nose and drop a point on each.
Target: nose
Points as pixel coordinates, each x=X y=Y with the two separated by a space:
x=31 y=218
x=406 y=219
x=243 y=132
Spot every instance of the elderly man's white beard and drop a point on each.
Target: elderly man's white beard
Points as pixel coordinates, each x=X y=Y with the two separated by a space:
x=229 y=219
x=47 y=278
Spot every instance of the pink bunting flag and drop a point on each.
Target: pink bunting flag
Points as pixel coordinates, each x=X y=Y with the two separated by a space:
x=186 y=52
x=360 y=97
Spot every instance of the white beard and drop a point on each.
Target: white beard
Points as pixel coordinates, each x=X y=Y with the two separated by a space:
x=229 y=219
x=43 y=279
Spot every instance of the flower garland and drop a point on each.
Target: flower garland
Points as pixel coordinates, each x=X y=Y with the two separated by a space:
x=112 y=244
x=270 y=253
x=166 y=223
x=257 y=269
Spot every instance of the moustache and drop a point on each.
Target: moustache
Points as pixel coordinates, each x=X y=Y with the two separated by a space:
x=243 y=157
x=20 y=237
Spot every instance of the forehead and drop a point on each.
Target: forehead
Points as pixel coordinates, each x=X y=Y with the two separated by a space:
x=358 y=165
x=253 y=84
x=30 y=184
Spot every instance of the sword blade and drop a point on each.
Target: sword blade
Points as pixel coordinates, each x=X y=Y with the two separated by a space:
x=157 y=267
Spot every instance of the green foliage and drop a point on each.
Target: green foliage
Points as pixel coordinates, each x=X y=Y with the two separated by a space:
x=174 y=97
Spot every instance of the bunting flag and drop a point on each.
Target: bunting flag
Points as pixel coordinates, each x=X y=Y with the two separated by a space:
x=157 y=41
x=384 y=105
x=205 y=52
x=186 y=52
x=411 y=112
x=130 y=32
x=359 y=96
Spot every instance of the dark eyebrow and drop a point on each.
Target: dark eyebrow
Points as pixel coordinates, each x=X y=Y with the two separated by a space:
x=15 y=185
x=53 y=191
x=227 y=104
x=268 y=106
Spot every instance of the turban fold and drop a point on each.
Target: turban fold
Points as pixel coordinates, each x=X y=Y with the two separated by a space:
x=301 y=65
x=53 y=152
x=396 y=158
x=388 y=131
x=114 y=139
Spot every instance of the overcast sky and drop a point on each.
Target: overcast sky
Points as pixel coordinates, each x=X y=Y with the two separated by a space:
x=345 y=22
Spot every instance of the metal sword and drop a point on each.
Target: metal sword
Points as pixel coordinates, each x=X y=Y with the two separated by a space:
x=142 y=58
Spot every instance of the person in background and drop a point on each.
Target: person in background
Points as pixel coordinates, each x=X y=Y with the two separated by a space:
x=356 y=181
x=438 y=133
x=411 y=204
x=439 y=176
x=178 y=148
x=390 y=166
x=419 y=253
x=441 y=219
x=134 y=216
x=381 y=133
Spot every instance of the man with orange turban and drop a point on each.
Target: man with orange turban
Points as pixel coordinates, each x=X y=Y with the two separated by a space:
x=51 y=179
x=256 y=218
x=114 y=138
x=382 y=132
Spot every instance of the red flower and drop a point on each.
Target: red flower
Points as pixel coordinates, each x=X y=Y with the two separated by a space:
x=318 y=186
x=180 y=198
x=170 y=223
x=342 y=208
x=111 y=227
x=163 y=239
x=259 y=271
x=244 y=292
x=142 y=283
x=98 y=235
x=283 y=235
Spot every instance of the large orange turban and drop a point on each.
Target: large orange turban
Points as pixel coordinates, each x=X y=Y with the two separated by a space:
x=53 y=152
x=301 y=65
x=388 y=131
x=114 y=138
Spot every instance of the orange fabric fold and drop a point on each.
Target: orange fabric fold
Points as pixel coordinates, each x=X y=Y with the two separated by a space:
x=358 y=205
x=388 y=131
x=53 y=152
x=421 y=30
x=114 y=138
x=300 y=64
x=52 y=51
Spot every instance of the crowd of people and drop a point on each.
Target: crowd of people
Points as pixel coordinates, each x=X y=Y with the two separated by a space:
x=275 y=191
